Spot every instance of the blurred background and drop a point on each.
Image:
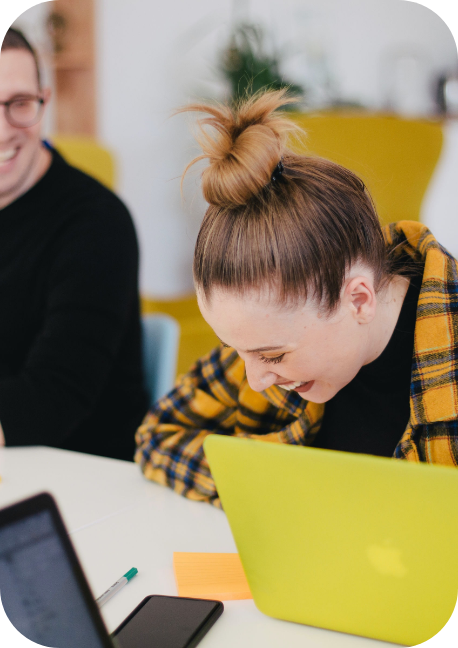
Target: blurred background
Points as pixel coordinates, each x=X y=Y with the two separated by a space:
x=377 y=87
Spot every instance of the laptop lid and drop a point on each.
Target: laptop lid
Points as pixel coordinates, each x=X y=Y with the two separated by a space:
x=353 y=543
x=42 y=586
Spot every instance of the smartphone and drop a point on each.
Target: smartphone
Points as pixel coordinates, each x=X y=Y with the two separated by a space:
x=167 y=622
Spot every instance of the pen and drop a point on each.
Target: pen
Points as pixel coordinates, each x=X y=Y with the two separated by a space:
x=111 y=591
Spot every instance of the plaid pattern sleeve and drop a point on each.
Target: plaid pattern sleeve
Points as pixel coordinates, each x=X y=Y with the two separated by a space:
x=215 y=398
x=432 y=432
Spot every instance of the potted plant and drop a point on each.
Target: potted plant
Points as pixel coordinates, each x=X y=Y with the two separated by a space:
x=248 y=67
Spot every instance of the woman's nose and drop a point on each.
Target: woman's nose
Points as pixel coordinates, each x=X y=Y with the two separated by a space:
x=258 y=375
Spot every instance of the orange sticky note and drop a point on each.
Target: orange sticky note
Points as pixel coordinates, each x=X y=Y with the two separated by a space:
x=217 y=576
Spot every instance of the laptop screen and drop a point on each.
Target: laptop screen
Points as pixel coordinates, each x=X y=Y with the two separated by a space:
x=38 y=586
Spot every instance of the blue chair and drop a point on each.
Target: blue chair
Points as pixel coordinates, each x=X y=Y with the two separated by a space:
x=161 y=335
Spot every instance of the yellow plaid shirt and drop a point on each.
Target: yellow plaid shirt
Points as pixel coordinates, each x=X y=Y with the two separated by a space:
x=215 y=398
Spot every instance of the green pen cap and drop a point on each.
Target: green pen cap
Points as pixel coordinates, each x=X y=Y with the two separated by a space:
x=131 y=573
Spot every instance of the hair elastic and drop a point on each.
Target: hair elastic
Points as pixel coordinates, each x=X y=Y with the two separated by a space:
x=277 y=172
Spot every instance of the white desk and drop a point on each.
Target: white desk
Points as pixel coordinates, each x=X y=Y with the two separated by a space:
x=118 y=520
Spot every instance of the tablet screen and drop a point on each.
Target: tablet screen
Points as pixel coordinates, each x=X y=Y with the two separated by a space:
x=38 y=587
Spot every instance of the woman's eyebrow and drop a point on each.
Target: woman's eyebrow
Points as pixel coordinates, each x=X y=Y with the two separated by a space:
x=260 y=350
x=263 y=349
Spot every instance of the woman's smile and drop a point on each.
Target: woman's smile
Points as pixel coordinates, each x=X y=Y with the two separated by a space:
x=297 y=385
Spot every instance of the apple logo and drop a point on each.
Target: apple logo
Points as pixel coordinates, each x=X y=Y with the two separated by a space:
x=386 y=559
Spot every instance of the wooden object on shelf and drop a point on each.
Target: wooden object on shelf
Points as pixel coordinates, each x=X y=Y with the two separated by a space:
x=71 y=26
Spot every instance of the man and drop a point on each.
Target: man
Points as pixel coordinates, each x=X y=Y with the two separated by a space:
x=70 y=345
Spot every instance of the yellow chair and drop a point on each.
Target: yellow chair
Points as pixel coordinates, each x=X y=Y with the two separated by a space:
x=86 y=154
x=395 y=157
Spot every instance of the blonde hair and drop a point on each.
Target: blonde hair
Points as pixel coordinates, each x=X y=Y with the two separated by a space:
x=298 y=233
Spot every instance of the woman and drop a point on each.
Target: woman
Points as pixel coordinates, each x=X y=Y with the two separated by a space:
x=334 y=333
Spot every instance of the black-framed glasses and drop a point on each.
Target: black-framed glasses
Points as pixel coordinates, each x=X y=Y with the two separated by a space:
x=23 y=112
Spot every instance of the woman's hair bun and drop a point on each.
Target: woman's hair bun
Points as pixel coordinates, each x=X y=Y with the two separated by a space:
x=244 y=145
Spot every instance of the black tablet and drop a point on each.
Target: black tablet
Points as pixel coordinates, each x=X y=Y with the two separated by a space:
x=47 y=598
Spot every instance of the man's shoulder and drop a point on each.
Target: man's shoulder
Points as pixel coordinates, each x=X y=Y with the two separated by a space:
x=79 y=200
x=81 y=186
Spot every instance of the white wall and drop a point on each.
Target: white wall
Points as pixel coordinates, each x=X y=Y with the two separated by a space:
x=154 y=56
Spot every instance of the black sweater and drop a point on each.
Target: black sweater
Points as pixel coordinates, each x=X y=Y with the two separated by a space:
x=70 y=345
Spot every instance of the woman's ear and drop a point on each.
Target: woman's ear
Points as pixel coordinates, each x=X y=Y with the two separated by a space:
x=359 y=296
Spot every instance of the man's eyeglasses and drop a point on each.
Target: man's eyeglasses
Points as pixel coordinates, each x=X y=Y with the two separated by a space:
x=23 y=112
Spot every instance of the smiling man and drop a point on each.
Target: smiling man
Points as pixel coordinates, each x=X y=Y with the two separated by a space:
x=70 y=356
x=23 y=160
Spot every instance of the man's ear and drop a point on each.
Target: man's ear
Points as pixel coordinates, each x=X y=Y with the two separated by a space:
x=359 y=295
x=46 y=94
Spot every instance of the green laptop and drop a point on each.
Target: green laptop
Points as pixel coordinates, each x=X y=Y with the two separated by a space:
x=348 y=542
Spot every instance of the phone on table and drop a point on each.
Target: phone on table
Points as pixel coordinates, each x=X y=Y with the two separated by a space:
x=167 y=622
